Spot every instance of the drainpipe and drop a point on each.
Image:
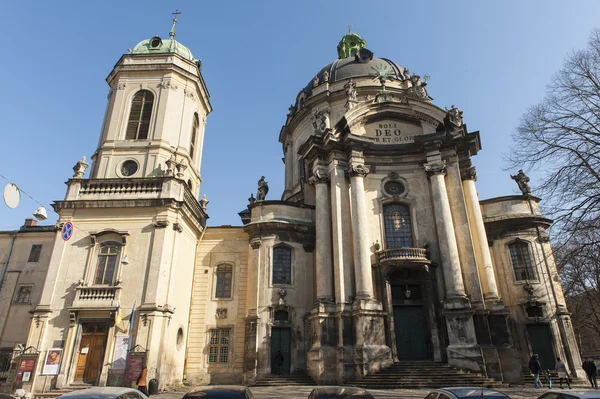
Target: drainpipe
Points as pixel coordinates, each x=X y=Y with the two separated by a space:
x=12 y=243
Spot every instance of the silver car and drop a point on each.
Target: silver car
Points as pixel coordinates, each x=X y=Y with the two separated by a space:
x=571 y=394
x=105 y=393
x=466 y=393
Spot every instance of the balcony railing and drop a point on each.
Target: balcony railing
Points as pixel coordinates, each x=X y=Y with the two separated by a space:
x=96 y=297
x=120 y=187
x=403 y=255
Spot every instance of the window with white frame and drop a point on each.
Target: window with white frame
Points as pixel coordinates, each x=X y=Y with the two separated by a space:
x=282 y=265
x=398 y=230
x=223 y=284
x=218 y=351
x=106 y=267
x=140 y=115
x=195 y=126
x=521 y=260
x=23 y=294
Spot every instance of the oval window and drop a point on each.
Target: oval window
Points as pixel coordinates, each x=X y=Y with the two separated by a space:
x=129 y=168
x=394 y=188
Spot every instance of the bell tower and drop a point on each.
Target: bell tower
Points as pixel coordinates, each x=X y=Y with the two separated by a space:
x=156 y=113
x=135 y=222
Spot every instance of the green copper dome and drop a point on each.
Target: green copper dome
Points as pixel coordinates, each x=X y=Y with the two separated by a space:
x=156 y=45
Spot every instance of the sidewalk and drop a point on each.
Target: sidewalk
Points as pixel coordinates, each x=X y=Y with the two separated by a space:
x=296 y=392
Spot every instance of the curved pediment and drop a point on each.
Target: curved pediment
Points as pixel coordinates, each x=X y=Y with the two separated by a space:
x=393 y=124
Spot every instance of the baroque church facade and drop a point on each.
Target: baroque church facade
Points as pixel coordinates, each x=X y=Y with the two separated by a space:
x=379 y=250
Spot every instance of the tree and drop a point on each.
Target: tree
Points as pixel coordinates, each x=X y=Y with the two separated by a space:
x=560 y=137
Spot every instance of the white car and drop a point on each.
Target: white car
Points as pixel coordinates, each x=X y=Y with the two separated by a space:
x=105 y=393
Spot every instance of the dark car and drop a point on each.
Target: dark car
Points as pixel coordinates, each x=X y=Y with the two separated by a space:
x=105 y=393
x=571 y=394
x=466 y=393
x=219 y=391
x=339 y=392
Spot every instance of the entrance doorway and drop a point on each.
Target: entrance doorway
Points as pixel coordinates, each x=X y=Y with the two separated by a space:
x=91 y=352
x=411 y=333
x=280 y=342
x=540 y=339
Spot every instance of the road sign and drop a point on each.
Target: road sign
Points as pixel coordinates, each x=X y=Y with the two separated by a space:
x=67 y=231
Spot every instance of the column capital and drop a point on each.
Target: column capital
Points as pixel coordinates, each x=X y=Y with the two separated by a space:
x=435 y=168
x=319 y=177
x=255 y=243
x=469 y=174
x=358 y=170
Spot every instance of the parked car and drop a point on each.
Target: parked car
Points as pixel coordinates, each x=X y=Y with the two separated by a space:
x=105 y=393
x=339 y=392
x=219 y=391
x=570 y=394
x=466 y=392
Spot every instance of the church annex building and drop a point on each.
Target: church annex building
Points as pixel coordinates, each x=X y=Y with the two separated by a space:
x=378 y=251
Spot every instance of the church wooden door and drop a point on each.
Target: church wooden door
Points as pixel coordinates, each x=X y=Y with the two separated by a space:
x=540 y=340
x=280 y=342
x=411 y=333
x=91 y=352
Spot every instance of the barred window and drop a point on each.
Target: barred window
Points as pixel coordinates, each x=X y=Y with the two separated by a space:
x=219 y=345
x=24 y=294
x=282 y=265
x=398 y=231
x=521 y=260
x=139 y=116
x=107 y=264
x=195 y=126
x=34 y=255
x=223 y=288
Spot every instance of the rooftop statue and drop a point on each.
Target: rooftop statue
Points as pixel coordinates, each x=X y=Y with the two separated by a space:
x=522 y=181
x=263 y=189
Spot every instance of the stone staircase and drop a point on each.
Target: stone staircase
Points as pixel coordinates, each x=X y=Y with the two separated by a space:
x=54 y=393
x=296 y=379
x=424 y=374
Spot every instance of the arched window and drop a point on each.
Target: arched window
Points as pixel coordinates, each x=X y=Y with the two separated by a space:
x=139 y=117
x=223 y=287
x=195 y=126
x=107 y=264
x=398 y=231
x=282 y=265
x=521 y=260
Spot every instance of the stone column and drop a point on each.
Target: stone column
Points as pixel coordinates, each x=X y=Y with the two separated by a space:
x=362 y=257
x=323 y=255
x=289 y=167
x=341 y=234
x=479 y=236
x=455 y=289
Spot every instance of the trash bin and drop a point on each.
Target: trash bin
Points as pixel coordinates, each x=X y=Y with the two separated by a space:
x=153 y=387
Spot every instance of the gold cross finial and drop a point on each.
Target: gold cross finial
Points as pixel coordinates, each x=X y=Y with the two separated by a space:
x=172 y=33
x=349 y=28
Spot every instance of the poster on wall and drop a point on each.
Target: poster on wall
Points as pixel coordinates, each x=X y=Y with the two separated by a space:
x=24 y=370
x=52 y=363
x=120 y=354
x=135 y=364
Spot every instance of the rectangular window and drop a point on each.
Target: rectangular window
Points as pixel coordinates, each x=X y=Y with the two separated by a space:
x=223 y=288
x=219 y=345
x=24 y=294
x=398 y=230
x=521 y=260
x=34 y=255
x=282 y=265
x=107 y=264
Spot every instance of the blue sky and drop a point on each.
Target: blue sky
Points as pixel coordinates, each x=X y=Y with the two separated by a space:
x=490 y=59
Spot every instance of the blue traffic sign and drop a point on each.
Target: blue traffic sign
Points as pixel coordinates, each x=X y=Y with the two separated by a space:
x=67 y=231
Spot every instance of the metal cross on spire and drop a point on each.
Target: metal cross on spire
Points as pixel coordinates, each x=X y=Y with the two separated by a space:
x=349 y=28
x=176 y=13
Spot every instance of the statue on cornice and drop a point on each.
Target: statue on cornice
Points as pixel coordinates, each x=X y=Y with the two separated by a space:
x=522 y=181
x=326 y=76
x=455 y=116
x=419 y=87
x=315 y=81
x=263 y=189
x=351 y=94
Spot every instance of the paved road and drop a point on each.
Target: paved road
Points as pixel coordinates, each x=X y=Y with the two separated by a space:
x=295 y=392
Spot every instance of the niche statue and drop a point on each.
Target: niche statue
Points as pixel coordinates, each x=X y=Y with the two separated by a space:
x=263 y=189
